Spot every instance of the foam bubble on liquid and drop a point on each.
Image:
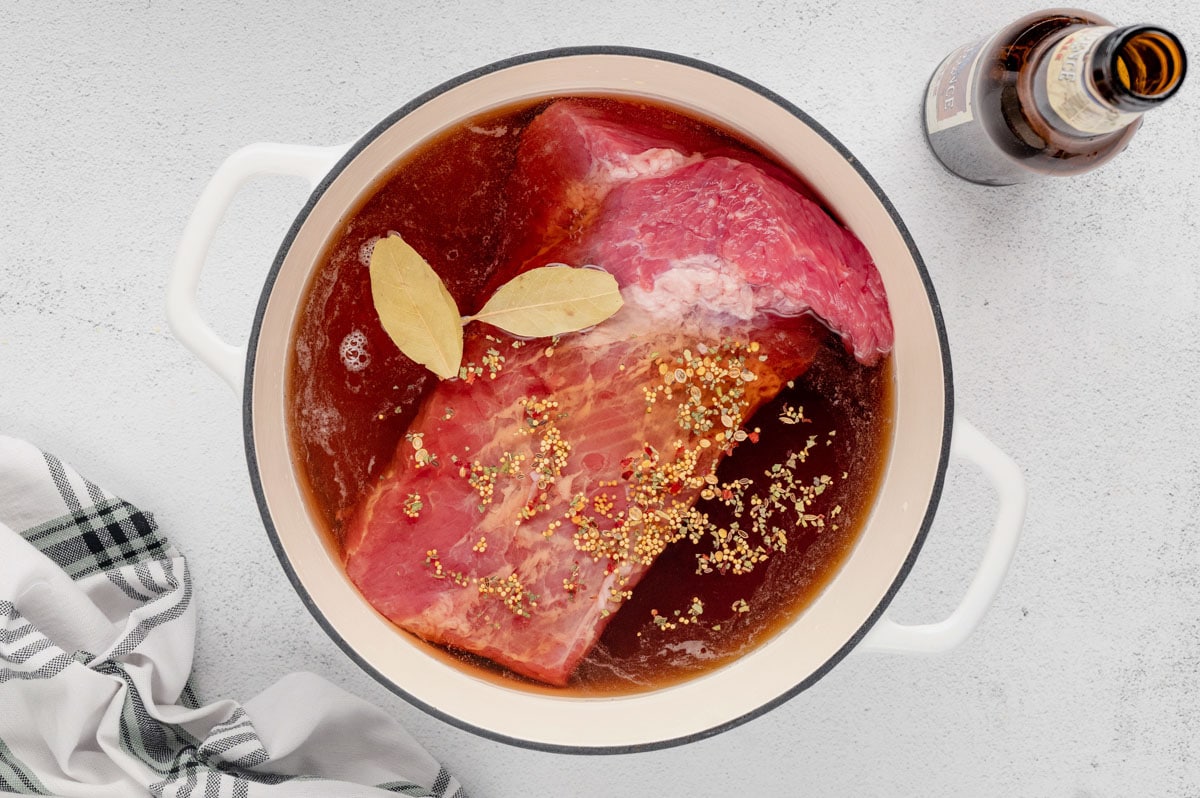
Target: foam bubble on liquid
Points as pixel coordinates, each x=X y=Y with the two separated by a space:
x=323 y=424
x=364 y=252
x=353 y=351
x=693 y=649
x=494 y=132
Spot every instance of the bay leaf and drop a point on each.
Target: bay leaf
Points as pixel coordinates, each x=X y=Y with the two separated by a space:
x=552 y=300
x=415 y=308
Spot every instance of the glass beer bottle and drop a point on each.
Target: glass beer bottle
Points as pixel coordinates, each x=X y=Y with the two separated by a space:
x=1055 y=93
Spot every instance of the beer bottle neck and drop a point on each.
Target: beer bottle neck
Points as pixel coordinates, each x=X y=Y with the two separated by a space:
x=1099 y=79
x=1138 y=67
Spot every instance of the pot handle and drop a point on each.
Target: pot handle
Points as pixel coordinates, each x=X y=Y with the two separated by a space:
x=970 y=444
x=183 y=315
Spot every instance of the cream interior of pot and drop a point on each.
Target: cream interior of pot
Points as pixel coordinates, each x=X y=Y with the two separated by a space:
x=774 y=669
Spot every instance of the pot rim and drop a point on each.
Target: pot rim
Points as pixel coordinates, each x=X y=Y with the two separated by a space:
x=357 y=147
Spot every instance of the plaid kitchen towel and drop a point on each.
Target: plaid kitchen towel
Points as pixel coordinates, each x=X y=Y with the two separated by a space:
x=97 y=627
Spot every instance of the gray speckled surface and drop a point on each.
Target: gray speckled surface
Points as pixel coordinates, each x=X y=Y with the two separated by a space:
x=1071 y=308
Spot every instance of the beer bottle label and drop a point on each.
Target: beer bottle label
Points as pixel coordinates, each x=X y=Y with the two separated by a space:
x=1070 y=89
x=948 y=100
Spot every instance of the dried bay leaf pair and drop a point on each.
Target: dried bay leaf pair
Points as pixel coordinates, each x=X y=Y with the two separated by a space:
x=420 y=316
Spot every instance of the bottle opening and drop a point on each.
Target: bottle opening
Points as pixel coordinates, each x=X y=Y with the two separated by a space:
x=1149 y=63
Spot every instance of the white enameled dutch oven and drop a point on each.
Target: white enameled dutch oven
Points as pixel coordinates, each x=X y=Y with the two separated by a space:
x=847 y=615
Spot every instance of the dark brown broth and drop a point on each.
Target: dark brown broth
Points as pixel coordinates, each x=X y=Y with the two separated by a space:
x=448 y=201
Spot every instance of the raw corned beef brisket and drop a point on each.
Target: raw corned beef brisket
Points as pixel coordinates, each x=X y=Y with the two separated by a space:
x=531 y=495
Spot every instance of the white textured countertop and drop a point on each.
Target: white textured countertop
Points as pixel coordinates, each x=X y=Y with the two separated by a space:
x=1071 y=308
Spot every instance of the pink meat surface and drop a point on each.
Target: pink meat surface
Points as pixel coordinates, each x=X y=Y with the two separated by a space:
x=530 y=497
x=790 y=257
x=571 y=155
